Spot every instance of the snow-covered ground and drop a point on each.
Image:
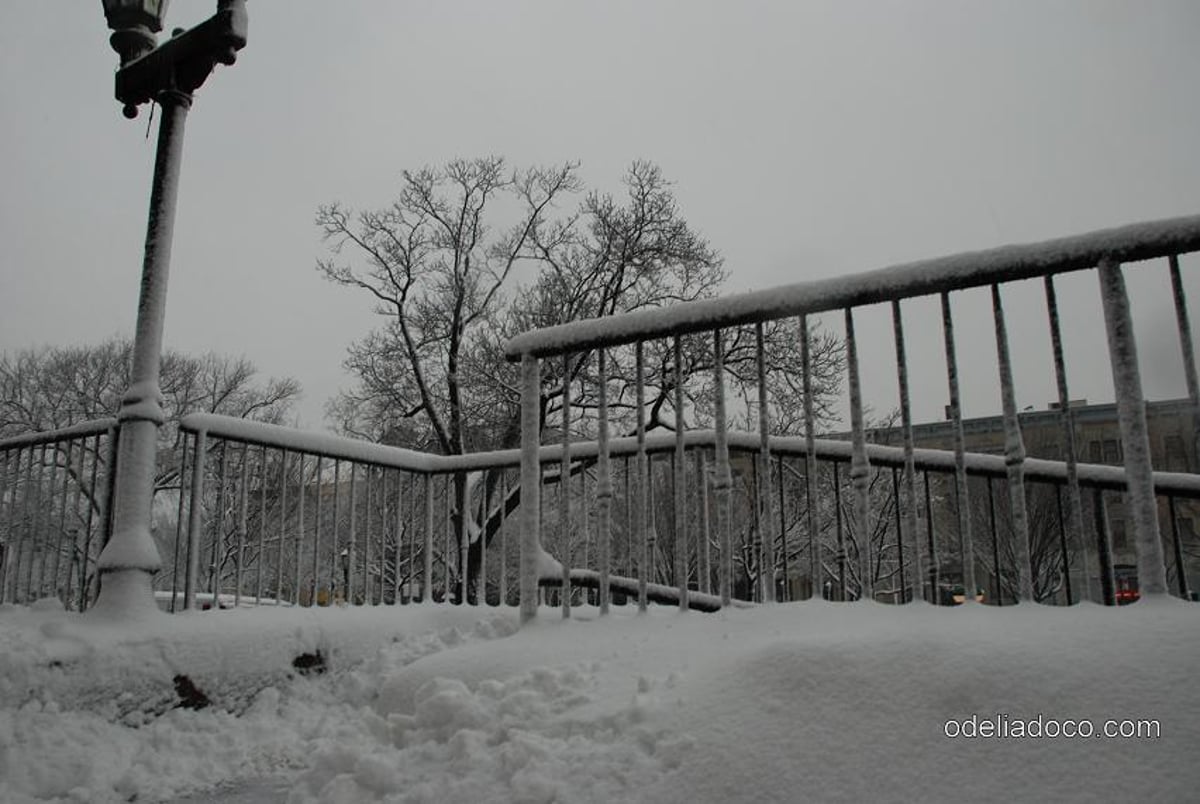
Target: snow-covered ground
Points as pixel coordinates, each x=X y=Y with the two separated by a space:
x=809 y=701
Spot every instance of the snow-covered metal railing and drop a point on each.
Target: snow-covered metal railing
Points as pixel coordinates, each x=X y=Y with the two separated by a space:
x=55 y=504
x=561 y=351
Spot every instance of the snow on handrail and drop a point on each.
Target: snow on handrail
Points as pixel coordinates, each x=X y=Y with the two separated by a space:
x=1124 y=244
x=81 y=430
x=1110 y=478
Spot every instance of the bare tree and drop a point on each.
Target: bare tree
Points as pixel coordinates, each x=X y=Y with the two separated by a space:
x=434 y=375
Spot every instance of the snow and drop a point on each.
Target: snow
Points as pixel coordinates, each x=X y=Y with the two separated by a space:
x=815 y=700
x=1130 y=243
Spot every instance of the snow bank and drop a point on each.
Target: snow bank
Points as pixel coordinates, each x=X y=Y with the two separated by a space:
x=780 y=703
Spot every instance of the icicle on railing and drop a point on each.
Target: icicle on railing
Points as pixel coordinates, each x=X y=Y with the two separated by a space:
x=860 y=467
x=910 y=470
x=1014 y=455
x=962 y=496
x=1131 y=416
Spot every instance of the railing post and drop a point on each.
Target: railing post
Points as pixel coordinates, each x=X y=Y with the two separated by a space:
x=1131 y=414
x=604 y=486
x=531 y=388
x=860 y=467
x=722 y=476
x=195 y=521
x=1014 y=455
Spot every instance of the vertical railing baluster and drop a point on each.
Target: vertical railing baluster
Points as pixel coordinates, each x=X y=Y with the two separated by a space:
x=899 y=534
x=643 y=476
x=93 y=505
x=464 y=537
x=351 y=536
x=195 y=521
x=365 y=561
x=531 y=479
x=502 y=580
x=763 y=500
x=448 y=537
x=336 y=581
x=1187 y=353
x=995 y=543
x=860 y=467
x=316 y=562
x=810 y=461
x=1074 y=495
x=485 y=515
x=403 y=515
x=179 y=543
x=910 y=469
x=75 y=547
x=1176 y=539
x=1104 y=548
x=1131 y=415
x=1014 y=454
x=604 y=487
x=679 y=479
x=841 y=537
x=55 y=587
x=243 y=525
x=1062 y=541
x=260 y=561
x=214 y=585
x=706 y=553
x=564 y=491
x=722 y=474
x=427 y=562
x=47 y=515
x=966 y=543
x=585 y=531
x=8 y=490
x=785 y=594
x=24 y=527
x=5 y=509
x=298 y=541
x=935 y=568
x=35 y=522
x=282 y=503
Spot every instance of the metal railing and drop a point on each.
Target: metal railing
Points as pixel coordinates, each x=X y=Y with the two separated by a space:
x=55 y=504
x=561 y=351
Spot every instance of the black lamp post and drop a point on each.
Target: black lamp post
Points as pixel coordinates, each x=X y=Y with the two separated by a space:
x=166 y=74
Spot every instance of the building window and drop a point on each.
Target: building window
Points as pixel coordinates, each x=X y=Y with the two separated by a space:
x=1095 y=452
x=1120 y=542
x=1112 y=451
x=1175 y=457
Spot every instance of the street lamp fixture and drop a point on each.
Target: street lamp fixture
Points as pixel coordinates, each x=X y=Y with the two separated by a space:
x=165 y=74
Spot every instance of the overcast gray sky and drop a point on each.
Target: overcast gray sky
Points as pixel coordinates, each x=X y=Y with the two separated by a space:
x=806 y=139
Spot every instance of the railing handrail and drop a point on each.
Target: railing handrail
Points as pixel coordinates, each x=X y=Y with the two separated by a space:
x=81 y=430
x=326 y=445
x=1123 y=244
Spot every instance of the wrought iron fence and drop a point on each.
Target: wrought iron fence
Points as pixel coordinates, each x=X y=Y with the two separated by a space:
x=55 y=504
x=672 y=333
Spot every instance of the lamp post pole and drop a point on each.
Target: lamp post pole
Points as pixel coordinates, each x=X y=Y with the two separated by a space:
x=167 y=74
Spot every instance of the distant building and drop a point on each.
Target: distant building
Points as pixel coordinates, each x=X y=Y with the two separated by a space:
x=1173 y=448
